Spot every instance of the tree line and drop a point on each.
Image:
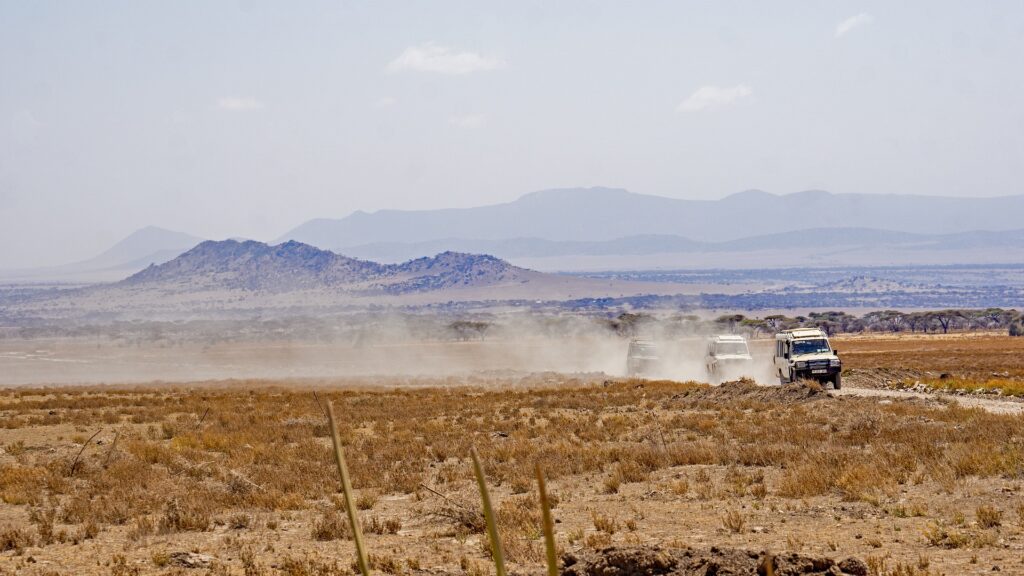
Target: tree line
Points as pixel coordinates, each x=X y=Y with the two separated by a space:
x=833 y=322
x=895 y=321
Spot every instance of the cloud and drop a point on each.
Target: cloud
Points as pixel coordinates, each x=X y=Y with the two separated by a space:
x=385 y=102
x=239 y=104
x=431 y=57
x=711 y=97
x=852 y=22
x=469 y=121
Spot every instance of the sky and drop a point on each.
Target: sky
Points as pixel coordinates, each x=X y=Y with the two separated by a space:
x=247 y=118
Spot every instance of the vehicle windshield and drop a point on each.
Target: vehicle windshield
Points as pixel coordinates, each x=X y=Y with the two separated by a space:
x=638 y=349
x=812 y=346
x=730 y=348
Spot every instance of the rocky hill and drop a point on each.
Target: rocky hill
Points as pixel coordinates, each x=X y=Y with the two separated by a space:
x=294 y=266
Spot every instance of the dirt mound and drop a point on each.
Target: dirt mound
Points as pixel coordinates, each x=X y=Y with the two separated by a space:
x=881 y=378
x=636 y=561
x=747 y=389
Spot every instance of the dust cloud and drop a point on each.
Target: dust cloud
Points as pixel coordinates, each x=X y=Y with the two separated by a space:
x=377 y=346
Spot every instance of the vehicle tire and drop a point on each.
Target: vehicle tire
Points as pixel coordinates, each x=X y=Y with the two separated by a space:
x=782 y=379
x=837 y=383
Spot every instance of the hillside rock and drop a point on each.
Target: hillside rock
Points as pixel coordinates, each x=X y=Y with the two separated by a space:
x=451 y=270
x=294 y=266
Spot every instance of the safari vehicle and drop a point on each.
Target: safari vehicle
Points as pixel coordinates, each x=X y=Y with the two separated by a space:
x=727 y=356
x=804 y=353
x=643 y=358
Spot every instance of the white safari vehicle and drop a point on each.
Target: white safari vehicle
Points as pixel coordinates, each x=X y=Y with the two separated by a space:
x=804 y=353
x=643 y=358
x=727 y=356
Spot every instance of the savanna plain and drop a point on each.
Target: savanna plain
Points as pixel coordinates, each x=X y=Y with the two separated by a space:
x=238 y=476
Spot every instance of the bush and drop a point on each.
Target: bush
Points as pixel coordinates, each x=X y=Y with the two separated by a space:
x=1017 y=328
x=331 y=526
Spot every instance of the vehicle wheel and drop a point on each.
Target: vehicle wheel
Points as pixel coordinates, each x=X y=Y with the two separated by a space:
x=782 y=379
x=837 y=383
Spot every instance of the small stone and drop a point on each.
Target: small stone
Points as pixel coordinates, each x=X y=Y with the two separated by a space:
x=854 y=566
x=191 y=560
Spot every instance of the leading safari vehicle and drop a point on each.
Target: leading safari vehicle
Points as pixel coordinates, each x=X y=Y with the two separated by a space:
x=727 y=357
x=805 y=353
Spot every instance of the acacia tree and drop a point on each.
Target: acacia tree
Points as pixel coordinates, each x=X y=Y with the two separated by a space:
x=945 y=318
x=730 y=320
x=628 y=323
x=465 y=329
x=891 y=320
x=916 y=320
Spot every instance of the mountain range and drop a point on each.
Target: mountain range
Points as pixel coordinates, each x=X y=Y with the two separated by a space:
x=819 y=239
x=604 y=214
x=604 y=228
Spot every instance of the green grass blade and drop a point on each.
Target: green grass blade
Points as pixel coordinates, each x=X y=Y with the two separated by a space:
x=497 y=552
x=548 y=524
x=350 y=501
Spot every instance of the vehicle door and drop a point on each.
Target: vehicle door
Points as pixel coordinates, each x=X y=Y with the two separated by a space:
x=782 y=351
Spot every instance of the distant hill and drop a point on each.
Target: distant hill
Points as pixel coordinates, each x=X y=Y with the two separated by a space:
x=149 y=245
x=802 y=244
x=527 y=247
x=606 y=214
x=293 y=266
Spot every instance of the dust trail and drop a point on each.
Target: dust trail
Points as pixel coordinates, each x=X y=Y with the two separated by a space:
x=371 y=345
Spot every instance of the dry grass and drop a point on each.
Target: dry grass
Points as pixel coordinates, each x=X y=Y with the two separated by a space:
x=259 y=468
x=966 y=362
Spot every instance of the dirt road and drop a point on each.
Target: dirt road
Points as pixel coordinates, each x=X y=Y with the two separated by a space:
x=993 y=405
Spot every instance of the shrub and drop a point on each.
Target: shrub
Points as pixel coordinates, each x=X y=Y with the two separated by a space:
x=14 y=539
x=734 y=521
x=179 y=517
x=988 y=516
x=1017 y=328
x=331 y=526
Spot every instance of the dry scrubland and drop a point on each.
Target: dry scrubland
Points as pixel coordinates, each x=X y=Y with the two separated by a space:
x=966 y=361
x=120 y=480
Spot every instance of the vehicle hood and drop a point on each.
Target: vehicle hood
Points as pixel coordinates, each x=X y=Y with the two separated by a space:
x=813 y=357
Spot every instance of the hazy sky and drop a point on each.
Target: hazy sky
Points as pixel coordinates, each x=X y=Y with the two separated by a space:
x=246 y=118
